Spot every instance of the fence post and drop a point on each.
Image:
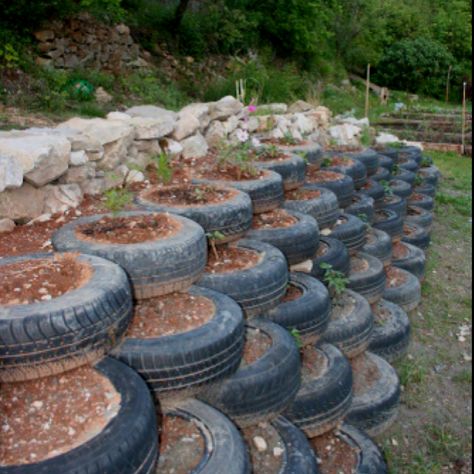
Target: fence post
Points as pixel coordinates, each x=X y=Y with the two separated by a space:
x=367 y=93
x=464 y=110
x=448 y=84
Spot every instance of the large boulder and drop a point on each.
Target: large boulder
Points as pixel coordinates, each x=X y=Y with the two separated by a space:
x=186 y=126
x=43 y=157
x=11 y=173
x=22 y=204
x=216 y=133
x=6 y=226
x=300 y=106
x=346 y=134
x=195 y=147
x=60 y=198
x=153 y=112
x=225 y=108
x=201 y=112
x=152 y=128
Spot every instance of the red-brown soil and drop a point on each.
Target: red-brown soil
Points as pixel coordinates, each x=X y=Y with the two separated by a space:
x=302 y=195
x=316 y=176
x=292 y=294
x=276 y=219
x=48 y=417
x=395 y=278
x=35 y=281
x=400 y=250
x=257 y=344
x=366 y=374
x=314 y=364
x=172 y=314
x=359 y=265
x=232 y=259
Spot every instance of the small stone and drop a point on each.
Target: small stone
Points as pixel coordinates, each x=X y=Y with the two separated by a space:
x=278 y=452
x=260 y=444
x=37 y=405
x=6 y=226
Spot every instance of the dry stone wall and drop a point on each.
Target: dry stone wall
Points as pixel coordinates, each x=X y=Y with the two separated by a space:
x=44 y=171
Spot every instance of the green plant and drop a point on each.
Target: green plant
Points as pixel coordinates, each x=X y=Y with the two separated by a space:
x=366 y=137
x=387 y=188
x=418 y=180
x=336 y=281
x=213 y=238
x=9 y=56
x=363 y=217
x=297 y=337
x=164 y=172
x=117 y=199
x=327 y=162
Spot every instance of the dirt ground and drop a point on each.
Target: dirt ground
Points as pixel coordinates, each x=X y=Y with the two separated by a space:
x=434 y=433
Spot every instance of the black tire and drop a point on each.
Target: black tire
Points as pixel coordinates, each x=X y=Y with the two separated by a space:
x=185 y=364
x=411 y=152
x=379 y=245
x=309 y=314
x=298 y=242
x=352 y=333
x=416 y=235
x=431 y=175
x=397 y=204
x=422 y=217
x=408 y=294
x=369 y=158
x=389 y=152
x=377 y=408
x=405 y=175
x=263 y=390
x=335 y=254
x=292 y=170
x=387 y=162
x=352 y=232
x=408 y=164
x=355 y=169
x=423 y=201
x=382 y=174
x=376 y=191
x=155 y=268
x=225 y=449
x=389 y=222
x=401 y=188
x=370 y=459
x=325 y=209
x=369 y=283
x=129 y=443
x=231 y=218
x=392 y=333
x=258 y=289
x=414 y=261
x=266 y=193
x=75 y=329
x=362 y=207
x=299 y=457
x=426 y=189
x=323 y=402
x=311 y=152
x=342 y=187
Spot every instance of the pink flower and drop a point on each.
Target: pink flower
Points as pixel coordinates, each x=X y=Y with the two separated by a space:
x=252 y=109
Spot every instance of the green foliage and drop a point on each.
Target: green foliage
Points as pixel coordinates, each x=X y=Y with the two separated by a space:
x=117 y=199
x=336 y=281
x=297 y=337
x=387 y=188
x=163 y=168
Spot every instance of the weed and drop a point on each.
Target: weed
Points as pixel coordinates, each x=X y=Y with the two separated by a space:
x=213 y=238
x=336 y=281
x=117 y=199
x=463 y=378
x=412 y=373
x=164 y=171
x=297 y=337
x=387 y=188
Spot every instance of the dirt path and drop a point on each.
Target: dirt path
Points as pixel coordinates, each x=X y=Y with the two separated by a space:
x=434 y=433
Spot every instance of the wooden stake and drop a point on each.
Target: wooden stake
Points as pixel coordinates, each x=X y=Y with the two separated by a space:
x=367 y=93
x=464 y=110
x=448 y=84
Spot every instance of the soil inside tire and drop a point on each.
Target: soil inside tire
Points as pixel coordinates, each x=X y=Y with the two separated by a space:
x=129 y=230
x=182 y=447
x=335 y=456
x=35 y=281
x=359 y=265
x=257 y=344
x=277 y=219
x=169 y=315
x=400 y=251
x=343 y=306
x=316 y=176
x=395 y=278
x=302 y=195
x=366 y=373
x=269 y=460
x=293 y=293
x=341 y=162
x=187 y=195
x=209 y=167
x=231 y=259
x=314 y=364
x=381 y=314
x=322 y=250
x=270 y=156
x=50 y=416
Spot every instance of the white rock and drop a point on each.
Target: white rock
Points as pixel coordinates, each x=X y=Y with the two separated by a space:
x=278 y=452
x=186 y=126
x=22 y=204
x=225 y=108
x=6 y=225
x=41 y=219
x=216 y=133
x=299 y=107
x=78 y=158
x=260 y=444
x=279 y=109
x=153 y=112
x=102 y=96
x=78 y=174
x=94 y=187
x=61 y=198
x=231 y=124
x=304 y=267
x=152 y=128
x=11 y=173
x=303 y=123
x=386 y=138
x=195 y=147
x=253 y=124
x=200 y=111
x=119 y=116
x=172 y=147
x=365 y=122
x=346 y=134
x=321 y=117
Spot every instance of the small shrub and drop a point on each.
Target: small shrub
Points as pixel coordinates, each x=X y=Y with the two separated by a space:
x=117 y=199
x=336 y=281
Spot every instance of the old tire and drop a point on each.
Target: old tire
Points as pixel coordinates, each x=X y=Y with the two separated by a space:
x=262 y=390
x=389 y=222
x=423 y=201
x=369 y=158
x=324 y=209
x=266 y=193
x=362 y=207
x=391 y=336
x=311 y=152
x=416 y=235
x=231 y=218
x=379 y=245
x=258 y=289
x=128 y=444
x=351 y=333
x=397 y=204
x=309 y=314
x=408 y=163
x=186 y=363
x=419 y=216
x=75 y=329
x=298 y=242
x=387 y=162
x=352 y=232
x=376 y=191
x=155 y=268
x=332 y=252
x=413 y=260
x=431 y=175
x=426 y=189
x=408 y=294
x=292 y=170
x=356 y=170
x=225 y=450
x=401 y=188
x=342 y=187
x=382 y=174
x=370 y=283
x=323 y=402
x=376 y=408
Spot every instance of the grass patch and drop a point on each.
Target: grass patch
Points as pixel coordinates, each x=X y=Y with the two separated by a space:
x=463 y=378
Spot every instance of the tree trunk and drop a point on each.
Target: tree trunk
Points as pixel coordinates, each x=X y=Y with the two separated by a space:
x=178 y=17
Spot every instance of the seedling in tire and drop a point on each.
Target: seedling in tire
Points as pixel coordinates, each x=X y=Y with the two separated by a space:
x=163 y=168
x=336 y=281
x=364 y=218
x=298 y=338
x=117 y=199
x=418 y=180
x=387 y=188
x=213 y=238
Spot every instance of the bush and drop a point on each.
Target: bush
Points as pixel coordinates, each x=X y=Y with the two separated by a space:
x=419 y=65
